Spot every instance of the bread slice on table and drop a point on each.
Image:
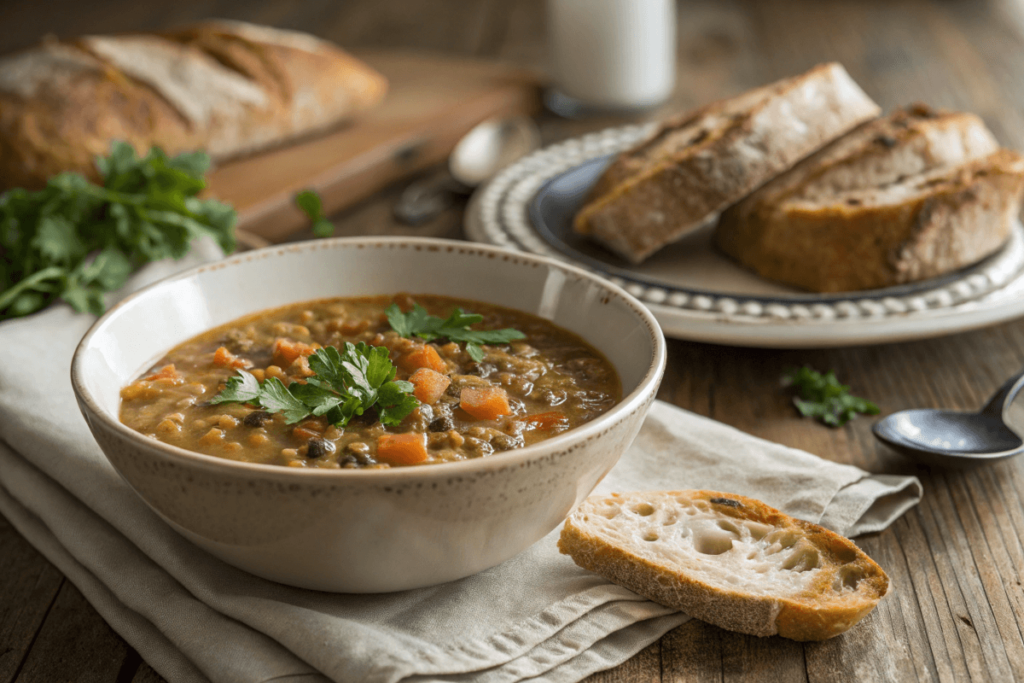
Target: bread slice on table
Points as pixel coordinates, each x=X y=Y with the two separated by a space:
x=225 y=87
x=698 y=164
x=728 y=560
x=916 y=194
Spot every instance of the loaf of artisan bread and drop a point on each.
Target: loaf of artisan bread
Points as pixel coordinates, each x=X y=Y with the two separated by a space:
x=225 y=87
x=728 y=560
x=910 y=196
x=695 y=166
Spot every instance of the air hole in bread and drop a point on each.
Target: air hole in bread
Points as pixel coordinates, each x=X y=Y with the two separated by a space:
x=729 y=525
x=609 y=513
x=803 y=559
x=781 y=540
x=757 y=531
x=712 y=541
x=644 y=509
x=848 y=578
x=651 y=536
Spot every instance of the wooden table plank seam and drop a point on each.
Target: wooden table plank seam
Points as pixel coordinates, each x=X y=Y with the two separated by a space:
x=906 y=600
x=980 y=625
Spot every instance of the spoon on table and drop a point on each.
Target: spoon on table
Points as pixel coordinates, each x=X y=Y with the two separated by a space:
x=955 y=439
x=478 y=156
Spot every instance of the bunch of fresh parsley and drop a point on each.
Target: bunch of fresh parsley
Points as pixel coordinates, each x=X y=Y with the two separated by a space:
x=419 y=323
x=75 y=240
x=346 y=384
x=822 y=397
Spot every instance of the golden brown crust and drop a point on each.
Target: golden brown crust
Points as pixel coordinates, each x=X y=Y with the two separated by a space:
x=696 y=165
x=846 y=585
x=61 y=104
x=923 y=226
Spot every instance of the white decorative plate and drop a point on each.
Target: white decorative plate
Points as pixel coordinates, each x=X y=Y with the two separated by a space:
x=699 y=294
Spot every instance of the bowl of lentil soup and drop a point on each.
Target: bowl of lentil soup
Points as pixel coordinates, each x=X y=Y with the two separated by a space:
x=369 y=415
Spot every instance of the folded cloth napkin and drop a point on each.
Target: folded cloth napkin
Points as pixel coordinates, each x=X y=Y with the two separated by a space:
x=193 y=618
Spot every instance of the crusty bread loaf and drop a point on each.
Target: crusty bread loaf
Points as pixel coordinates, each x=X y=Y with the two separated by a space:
x=226 y=87
x=726 y=559
x=913 y=195
x=700 y=163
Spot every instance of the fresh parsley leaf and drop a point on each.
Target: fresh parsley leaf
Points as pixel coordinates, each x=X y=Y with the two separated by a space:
x=309 y=202
x=76 y=240
x=317 y=397
x=456 y=328
x=822 y=397
x=242 y=389
x=276 y=398
x=394 y=402
x=346 y=384
x=474 y=351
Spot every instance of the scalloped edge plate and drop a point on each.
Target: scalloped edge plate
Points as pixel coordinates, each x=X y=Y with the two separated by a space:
x=989 y=292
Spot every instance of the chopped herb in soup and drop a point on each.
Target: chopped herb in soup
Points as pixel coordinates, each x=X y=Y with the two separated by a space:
x=372 y=382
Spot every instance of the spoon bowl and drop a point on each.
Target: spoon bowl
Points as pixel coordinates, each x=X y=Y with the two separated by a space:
x=479 y=155
x=949 y=438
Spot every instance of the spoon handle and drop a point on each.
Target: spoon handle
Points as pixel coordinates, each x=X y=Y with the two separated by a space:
x=425 y=199
x=1006 y=394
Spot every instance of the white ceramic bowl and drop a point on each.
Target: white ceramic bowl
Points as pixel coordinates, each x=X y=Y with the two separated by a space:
x=363 y=530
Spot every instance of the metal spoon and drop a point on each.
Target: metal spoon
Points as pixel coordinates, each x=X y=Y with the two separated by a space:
x=478 y=156
x=954 y=439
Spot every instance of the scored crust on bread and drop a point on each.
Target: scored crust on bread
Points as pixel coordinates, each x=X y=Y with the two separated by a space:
x=225 y=87
x=728 y=560
x=916 y=194
x=696 y=165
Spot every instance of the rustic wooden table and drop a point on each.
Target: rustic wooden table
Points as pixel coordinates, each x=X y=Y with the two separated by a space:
x=956 y=561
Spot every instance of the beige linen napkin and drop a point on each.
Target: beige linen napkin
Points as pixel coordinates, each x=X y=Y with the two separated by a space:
x=193 y=618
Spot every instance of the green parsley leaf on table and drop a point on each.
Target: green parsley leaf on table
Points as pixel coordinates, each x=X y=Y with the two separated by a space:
x=309 y=202
x=822 y=397
x=456 y=328
x=346 y=384
x=75 y=240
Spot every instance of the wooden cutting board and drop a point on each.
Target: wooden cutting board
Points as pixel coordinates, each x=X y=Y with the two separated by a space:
x=432 y=101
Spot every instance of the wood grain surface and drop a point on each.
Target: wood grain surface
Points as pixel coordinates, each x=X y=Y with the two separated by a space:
x=432 y=102
x=956 y=561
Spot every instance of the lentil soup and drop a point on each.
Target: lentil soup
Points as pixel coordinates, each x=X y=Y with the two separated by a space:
x=517 y=394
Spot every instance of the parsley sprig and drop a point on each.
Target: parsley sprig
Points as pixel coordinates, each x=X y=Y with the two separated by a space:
x=346 y=383
x=822 y=397
x=75 y=240
x=456 y=328
x=311 y=205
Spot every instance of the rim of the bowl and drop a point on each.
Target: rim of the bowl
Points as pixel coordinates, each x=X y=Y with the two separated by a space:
x=583 y=433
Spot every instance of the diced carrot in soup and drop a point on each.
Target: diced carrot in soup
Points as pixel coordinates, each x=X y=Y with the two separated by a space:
x=485 y=403
x=286 y=351
x=428 y=385
x=226 y=359
x=543 y=421
x=402 y=449
x=425 y=356
x=166 y=372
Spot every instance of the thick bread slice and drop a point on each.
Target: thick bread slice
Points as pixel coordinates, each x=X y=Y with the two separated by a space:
x=726 y=559
x=226 y=87
x=697 y=165
x=911 y=196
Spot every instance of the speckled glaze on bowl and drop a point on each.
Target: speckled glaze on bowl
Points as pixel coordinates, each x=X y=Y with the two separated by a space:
x=352 y=530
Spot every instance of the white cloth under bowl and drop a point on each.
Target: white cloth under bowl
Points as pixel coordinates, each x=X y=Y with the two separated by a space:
x=194 y=618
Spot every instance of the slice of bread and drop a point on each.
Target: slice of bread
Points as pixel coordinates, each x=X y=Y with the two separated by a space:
x=698 y=164
x=910 y=196
x=728 y=560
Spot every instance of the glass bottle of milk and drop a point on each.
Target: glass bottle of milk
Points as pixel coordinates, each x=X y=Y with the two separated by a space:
x=610 y=55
